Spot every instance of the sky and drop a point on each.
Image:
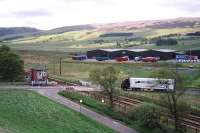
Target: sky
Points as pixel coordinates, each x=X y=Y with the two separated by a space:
x=48 y=14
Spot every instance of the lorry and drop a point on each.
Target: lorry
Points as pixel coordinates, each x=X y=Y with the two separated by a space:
x=186 y=58
x=147 y=84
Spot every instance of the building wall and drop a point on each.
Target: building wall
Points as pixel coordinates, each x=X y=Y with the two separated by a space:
x=131 y=54
x=162 y=55
x=97 y=53
x=194 y=53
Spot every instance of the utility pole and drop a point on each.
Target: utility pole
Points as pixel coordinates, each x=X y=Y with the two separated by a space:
x=60 y=66
x=54 y=67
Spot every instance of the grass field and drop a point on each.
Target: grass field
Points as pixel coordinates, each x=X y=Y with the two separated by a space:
x=28 y=112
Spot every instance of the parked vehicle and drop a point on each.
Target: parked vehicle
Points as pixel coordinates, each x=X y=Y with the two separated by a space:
x=102 y=58
x=138 y=58
x=186 y=58
x=147 y=84
x=85 y=83
x=150 y=59
x=122 y=59
x=79 y=57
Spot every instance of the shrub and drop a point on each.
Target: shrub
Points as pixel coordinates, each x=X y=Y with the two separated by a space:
x=147 y=115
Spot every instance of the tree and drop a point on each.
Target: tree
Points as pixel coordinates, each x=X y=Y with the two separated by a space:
x=161 y=42
x=106 y=78
x=11 y=66
x=173 y=100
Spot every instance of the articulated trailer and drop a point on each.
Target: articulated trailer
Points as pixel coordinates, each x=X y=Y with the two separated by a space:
x=147 y=84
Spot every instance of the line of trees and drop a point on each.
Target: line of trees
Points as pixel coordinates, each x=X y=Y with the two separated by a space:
x=166 y=42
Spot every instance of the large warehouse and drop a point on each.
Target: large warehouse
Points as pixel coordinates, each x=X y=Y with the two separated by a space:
x=164 y=54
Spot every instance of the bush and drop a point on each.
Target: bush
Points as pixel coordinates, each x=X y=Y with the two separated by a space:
x=147 y=115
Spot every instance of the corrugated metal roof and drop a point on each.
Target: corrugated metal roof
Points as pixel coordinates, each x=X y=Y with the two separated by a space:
x=165 y=50
x=137 y=50
x=39 y=67
x=112 y=50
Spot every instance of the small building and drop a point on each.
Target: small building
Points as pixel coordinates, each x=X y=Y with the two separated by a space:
x=37 y=76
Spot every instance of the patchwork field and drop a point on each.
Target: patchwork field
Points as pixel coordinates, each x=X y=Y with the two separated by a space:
x=28 y=112
x=76 y=41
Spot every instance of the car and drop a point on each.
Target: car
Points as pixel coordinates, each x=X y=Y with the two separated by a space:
x=150 y=59
x=138 y=58
x=102 y=58
x=122 y=59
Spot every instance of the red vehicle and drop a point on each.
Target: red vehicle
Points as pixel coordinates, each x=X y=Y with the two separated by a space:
x=150 y=59
x=193 y=57
x=122 y=59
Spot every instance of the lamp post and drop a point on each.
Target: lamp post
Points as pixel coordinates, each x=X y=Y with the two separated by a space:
x=80 y=104
x=102 y=101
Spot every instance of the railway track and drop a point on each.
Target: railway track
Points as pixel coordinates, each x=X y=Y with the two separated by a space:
x=189 y=120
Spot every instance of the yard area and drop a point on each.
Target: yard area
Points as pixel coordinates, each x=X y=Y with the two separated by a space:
x=28 y=112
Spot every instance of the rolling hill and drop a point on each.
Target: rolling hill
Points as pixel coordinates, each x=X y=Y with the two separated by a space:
x=82 y=36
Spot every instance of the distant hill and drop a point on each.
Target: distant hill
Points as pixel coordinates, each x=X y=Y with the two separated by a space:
x=154 y=24
x=149 y=29
x=70 y=28
x=20 y=32
x=16 y=32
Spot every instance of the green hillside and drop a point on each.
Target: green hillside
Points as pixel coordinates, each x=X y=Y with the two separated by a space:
x=76 y=38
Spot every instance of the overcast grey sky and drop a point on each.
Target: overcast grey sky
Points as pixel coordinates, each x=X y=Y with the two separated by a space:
x=47 y=14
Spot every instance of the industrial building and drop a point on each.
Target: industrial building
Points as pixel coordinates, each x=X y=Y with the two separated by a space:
x=164 y=54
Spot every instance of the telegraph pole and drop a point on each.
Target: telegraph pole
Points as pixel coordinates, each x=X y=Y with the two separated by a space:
x=54 y=67
x=60 y=66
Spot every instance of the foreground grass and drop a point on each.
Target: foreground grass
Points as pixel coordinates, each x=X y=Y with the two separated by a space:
x=27 y=112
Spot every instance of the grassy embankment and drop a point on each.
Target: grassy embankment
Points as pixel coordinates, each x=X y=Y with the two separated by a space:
x=28 y=112
x=104 y=109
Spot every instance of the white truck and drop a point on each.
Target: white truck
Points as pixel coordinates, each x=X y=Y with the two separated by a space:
x=147 y=84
